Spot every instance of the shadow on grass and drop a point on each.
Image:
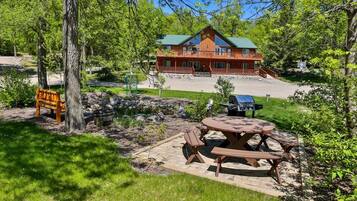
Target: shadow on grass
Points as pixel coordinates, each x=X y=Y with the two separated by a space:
x=34 y=161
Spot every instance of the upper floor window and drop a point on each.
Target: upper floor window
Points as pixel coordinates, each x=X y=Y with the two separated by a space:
x=245 y=51
x=167 y=63
x=194 y=41
x=223 y=51
x=218 y=41
x=191 y=48
x=166 y=47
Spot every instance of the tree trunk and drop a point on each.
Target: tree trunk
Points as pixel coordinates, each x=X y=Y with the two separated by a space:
x=41 y=56
x=74 y=120
x=15 y=53
x=351 y=39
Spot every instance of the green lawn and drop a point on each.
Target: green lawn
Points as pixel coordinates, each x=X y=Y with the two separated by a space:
x=38 y=165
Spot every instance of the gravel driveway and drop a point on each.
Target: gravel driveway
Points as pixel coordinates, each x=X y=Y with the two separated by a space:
x=250 y=85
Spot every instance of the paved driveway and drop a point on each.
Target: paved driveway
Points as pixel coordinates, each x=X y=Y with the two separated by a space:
x=251 y=85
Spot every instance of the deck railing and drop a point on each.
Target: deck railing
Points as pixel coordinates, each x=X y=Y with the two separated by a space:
x=210 y=54
x=191 y=70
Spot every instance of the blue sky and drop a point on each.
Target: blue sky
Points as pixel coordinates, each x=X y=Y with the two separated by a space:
x=248 y=10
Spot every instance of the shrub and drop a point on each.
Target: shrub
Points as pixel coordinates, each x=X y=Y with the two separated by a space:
x=198 y=110
x=16 y=90
x=106 y=74
x=224 y=87
x=334 y=161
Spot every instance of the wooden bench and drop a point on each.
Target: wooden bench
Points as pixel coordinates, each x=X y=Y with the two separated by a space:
x=274 y=158
x=50 y=100
x=192 y=138
x=285 y=144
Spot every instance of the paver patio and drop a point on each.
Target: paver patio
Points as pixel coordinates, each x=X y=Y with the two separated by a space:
x=173 y=155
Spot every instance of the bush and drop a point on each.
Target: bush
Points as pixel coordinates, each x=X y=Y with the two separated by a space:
x=334 y=152
x=106 y=74
x=198 y=110
x=16 y=90
x=225 y=88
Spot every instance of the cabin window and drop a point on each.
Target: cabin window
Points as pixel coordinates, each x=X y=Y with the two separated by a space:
x=167 y=63
x=245 y=66
x=245 y=52
x=167 y=47
x=219 y=64
x=196 y=40
x=191 y=49
x=256 y=64
x=220 y=42
x=187 y=64
x=223 y=51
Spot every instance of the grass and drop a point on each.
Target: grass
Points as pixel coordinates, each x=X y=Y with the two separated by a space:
x=38 y=165
x=302 y=77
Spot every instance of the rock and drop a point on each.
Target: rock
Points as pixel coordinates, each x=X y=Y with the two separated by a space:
x=160 y=116
x=140 y=117
x=152 y=118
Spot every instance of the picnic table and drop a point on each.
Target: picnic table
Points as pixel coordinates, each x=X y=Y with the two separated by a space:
x=239 y=130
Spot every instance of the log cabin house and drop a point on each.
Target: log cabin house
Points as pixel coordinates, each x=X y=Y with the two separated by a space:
x=207 y=52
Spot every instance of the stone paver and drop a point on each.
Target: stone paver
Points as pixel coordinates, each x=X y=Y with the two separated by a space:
x=171 y=155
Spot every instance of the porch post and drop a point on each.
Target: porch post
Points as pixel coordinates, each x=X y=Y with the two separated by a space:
x=210 y=69
x=226 y=67
x=175 y=66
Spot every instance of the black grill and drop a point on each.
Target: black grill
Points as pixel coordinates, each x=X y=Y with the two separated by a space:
x=239 y=104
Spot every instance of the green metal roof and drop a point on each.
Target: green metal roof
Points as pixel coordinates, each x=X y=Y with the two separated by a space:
x=241 y=42
x=173 y=39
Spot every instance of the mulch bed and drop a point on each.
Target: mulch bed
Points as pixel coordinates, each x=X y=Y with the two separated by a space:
x=129 y=139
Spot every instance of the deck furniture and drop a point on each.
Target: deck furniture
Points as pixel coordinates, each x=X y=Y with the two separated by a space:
x=286 y=144
x=50 y=100
x=192 y=138
x=274 y=158
x=238 y=131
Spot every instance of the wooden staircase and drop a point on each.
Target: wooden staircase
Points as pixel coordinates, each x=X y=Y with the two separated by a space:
x=202 y=74
x=264 y=72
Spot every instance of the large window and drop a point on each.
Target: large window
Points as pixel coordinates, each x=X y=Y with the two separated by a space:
x=187 y=64
x=219 y=64
x=218 y=41
x=194 y=41
x=223 y=51
x=167 y=63
x=166 y=47
x=245 y=66
x=245 y=52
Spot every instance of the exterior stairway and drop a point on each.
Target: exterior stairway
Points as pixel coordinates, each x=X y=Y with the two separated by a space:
x=202 y=74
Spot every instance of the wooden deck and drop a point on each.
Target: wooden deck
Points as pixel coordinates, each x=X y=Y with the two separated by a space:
x=235 y=55
x=223 y=71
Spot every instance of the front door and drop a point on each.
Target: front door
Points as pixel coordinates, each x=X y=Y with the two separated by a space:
x=196 y=65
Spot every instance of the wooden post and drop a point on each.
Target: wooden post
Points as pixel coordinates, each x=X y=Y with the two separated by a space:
x=226 y=67
x=58 y=111
x=38 y=112
x=175 y=66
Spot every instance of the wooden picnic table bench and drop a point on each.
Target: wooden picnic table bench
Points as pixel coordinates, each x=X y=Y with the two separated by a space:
x=286 y=144
x=50 y=100
x=192 y=138
x=274 y=158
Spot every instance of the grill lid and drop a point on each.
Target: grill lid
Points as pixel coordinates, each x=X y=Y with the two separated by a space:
x=245 y=99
